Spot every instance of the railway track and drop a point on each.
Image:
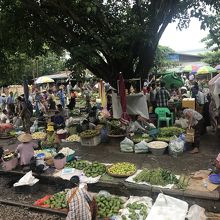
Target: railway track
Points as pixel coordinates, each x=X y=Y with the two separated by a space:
x=19 y=205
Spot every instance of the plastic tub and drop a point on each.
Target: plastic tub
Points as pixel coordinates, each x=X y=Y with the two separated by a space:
x=10 y=165
x=59 y=163
x=157 y=148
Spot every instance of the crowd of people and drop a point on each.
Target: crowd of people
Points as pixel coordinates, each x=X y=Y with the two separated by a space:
x=203 y=115
x=58 y=101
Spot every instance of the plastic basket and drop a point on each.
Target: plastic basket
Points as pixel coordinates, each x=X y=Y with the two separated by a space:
x=93 y=141
x=10 y=165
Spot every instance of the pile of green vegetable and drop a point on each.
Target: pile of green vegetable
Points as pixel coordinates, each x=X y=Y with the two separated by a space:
x=74 y=112
x=166 y=133
x=114 y=127
x=183 y=182
x=89 y=133
x=156 y=177
x=90 y=169
x=136 y=211
x=108 y=206
x=57 y=201
x=95 y=169
x=141 y=137
x=78 y=164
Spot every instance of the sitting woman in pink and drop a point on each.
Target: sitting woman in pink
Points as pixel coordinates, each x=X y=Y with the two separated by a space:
x=26 y=149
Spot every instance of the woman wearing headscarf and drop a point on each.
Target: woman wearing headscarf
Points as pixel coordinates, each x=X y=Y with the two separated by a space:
x=81 y=204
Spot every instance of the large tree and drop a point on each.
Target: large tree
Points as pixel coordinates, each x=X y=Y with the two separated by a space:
x=105 y=36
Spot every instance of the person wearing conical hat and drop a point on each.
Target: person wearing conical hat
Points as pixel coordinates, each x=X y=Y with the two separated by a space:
x=25 y=149
x=51 y=139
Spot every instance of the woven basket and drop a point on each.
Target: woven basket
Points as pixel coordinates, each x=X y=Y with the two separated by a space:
x=190 y=135
x=118 y=175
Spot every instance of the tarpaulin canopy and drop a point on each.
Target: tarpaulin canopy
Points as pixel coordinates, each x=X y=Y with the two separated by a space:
x=205 y=70
x=172 y=79
x=190 y=69
x=214 y=88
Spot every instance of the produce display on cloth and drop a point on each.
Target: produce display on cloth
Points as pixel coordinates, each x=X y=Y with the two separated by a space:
x=90 y=169
x=57 y=201
x=73 y=138
x=158 y=176
x=39 y=135
x=89 y=133
x=108 y=206
x=166 y=133
x=122 y=169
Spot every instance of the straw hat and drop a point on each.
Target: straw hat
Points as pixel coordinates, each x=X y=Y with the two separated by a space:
x=24 y=138
x=50 y=128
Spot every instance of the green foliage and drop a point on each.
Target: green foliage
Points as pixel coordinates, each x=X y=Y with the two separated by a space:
x=104 y=36
x=213 y=38
x=212 y=58
x=161 y=61
x=19 y=66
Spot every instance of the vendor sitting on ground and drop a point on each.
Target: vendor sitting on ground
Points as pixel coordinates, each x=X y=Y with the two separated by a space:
x=81 y=203
x=195 y=121
x=51 y=139
x=26 y=149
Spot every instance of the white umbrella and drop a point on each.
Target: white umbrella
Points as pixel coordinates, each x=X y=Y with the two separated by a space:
x=44 y=79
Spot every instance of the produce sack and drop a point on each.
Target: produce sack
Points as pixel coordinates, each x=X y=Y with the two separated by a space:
x=176 y=147
x=141 y=147
x=127 y=145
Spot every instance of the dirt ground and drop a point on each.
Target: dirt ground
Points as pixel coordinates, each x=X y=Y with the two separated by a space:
x=110 y=152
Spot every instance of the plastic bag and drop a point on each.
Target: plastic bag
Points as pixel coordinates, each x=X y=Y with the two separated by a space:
x=196 y=213
x=141 y=147
x=127 y=145
x=176 y=147
x=147 y=201
x=182 y=122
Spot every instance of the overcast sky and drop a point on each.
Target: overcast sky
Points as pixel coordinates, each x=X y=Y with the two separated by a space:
x=185 y=40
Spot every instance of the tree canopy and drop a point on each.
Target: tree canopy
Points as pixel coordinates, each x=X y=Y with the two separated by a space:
x=104 y=36
x=212 y=58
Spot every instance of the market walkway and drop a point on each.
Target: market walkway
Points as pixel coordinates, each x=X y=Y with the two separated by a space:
x=110 y=152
